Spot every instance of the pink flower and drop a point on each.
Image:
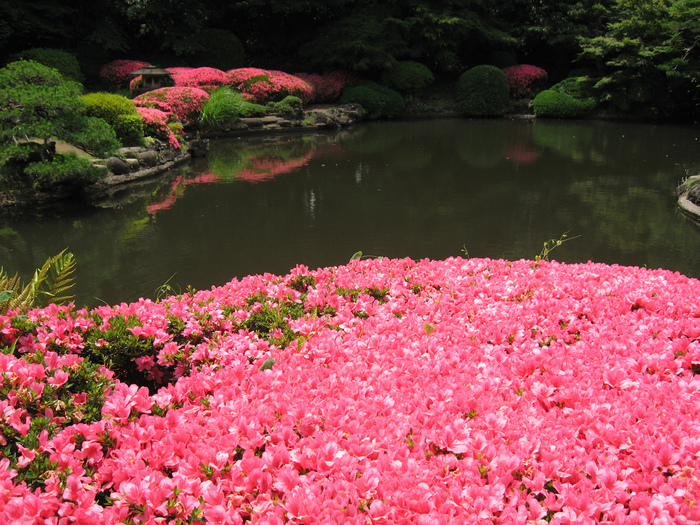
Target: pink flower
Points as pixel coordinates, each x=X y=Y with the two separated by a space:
x=522 y=78
x=118 y=72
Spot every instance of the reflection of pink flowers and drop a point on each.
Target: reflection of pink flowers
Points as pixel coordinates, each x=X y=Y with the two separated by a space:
x=271 y=85
x=519 y=149
x=175 y=190
x=266 y=167
x=455 y=391
x=117 y=73
x=522 y=78
x=185 y=102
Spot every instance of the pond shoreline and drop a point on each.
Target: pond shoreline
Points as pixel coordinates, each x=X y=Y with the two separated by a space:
x=317 y=118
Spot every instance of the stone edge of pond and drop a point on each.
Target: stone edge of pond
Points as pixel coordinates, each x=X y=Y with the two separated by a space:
x=684 y=203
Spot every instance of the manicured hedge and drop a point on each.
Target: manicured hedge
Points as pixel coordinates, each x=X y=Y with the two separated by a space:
x=119 y=112
x=408 y=77
x=377 y=101
x=63 y=61
x=553 y=104
x=482 y=91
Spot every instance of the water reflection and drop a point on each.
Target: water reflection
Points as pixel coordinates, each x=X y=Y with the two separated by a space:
x=417 y=189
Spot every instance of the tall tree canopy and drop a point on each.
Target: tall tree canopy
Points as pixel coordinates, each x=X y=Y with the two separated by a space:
x=650 y=54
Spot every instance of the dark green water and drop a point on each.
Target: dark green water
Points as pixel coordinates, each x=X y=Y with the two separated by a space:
x=419 y=189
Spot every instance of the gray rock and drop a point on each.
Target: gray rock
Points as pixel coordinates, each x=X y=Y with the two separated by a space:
x=131 y=152
x=253 y=122
x=117 y=166
x=270 y=120
x=133 y=164
x=199 y=147
x=148 y=158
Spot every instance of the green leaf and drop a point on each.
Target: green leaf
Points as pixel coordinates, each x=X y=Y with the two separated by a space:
x=356 y=255
x=267 y=365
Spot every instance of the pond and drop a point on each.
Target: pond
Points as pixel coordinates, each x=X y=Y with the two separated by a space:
x=419 y=189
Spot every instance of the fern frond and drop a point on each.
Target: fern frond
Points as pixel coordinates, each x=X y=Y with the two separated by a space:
x=46 y=286
x=61 y=277
x=9 y=286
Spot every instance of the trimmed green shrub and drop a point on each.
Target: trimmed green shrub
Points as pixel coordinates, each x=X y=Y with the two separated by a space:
x=66 y=63
x=408 y=77
x=377 y=101
x=482 y=91
x=553 y=104
x=225 y=107
x=577 y=87
x=96 y=137
x=289 y=106
x=119 y=112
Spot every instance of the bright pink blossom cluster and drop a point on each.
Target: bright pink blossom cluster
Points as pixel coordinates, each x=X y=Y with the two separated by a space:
x=157 y=123
x=262 y=85
x=185 y=102
x=207 y=78
x=522 y=78
x=117 y=74
x=327 y=87
x=457 y=391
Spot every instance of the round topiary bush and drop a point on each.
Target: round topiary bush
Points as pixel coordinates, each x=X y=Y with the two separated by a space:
x=553 y=104
x=377 y=101
x=185 y=102
x=119 y=112
x=408 y=77
x=329 y=86
x=262 y=85
x=482 y=91
x=63 y=61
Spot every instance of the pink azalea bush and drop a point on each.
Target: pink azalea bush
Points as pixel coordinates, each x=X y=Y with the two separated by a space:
x=207 y=78
x=384 y=391
x=160 y=124
x=117 y=74
x=262 y=85
x=185 y=102
x=327 y=87
x=524 y=80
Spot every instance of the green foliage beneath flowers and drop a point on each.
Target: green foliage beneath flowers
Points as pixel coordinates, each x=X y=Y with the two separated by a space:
x=554 y=104
x=408 y=76
x=119 y=112
x=65 y=63
x=378 y=101
x=225 y=107
x=482 y=91
x=55 y=407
